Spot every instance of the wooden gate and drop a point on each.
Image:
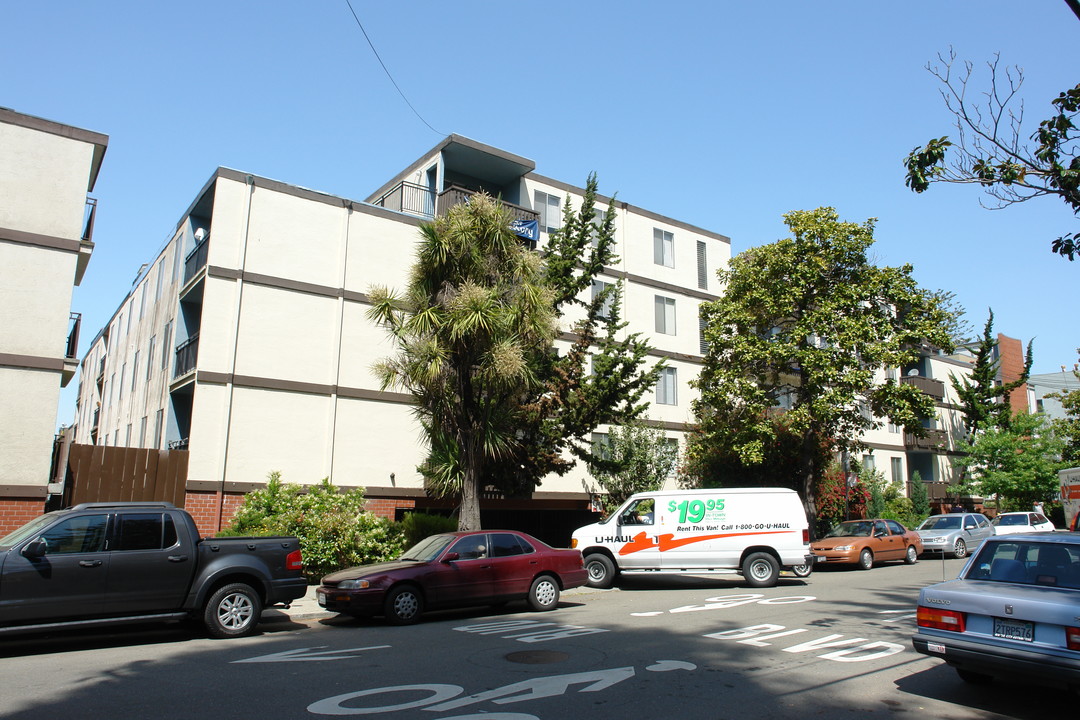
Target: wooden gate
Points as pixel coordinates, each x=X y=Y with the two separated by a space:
x=97 y=473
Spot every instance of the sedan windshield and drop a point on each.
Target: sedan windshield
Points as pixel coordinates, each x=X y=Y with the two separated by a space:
x=852 y=529
x=427 y=549
x=941 y=522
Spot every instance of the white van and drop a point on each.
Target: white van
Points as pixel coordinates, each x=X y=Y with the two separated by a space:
x=752 y=531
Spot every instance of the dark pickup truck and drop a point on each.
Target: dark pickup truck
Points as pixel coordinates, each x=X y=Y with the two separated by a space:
x=102 y=563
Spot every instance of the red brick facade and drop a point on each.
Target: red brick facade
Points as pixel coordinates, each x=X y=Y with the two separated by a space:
x=15 y=512
x=208 y=511
x=1011 y=367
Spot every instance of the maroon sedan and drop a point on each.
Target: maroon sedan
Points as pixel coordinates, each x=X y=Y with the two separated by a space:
x=481 y=567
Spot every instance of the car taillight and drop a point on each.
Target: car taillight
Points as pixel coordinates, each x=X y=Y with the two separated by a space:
x=294 y=561
x=1072 y=638
x=806 y=536
x=940 y=619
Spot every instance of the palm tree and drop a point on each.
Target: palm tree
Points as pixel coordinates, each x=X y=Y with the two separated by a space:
x=475 y=309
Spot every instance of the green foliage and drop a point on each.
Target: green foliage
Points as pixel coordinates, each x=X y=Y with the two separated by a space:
x=808 y=322
x=887 y=500
x=1018 y=463
x=416 y=526
x=710 y=461
x=1068 y=428
x=837 y=502
x=334 y=530
x=636 y=459
x=475 y=311
x=984 y=402
x=878 y=487
x=992 y=151
x=920 y=498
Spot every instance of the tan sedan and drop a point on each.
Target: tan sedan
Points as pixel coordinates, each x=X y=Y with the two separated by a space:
x=865 y=542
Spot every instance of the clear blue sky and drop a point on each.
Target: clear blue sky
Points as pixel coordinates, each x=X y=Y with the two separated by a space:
x=722 y=114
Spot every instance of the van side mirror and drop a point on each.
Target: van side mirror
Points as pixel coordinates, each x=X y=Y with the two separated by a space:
x=34 y=549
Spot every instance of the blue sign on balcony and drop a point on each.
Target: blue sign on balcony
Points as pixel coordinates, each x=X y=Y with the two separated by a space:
x=528 y=229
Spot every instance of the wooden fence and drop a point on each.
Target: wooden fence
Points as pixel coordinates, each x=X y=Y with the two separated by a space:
x=97 y=473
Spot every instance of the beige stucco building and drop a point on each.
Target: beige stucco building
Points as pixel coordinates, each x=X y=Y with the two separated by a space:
x=245 y=340
x=46 y=224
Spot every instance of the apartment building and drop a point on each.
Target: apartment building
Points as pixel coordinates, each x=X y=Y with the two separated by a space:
x=245 y=340
x=46 y=239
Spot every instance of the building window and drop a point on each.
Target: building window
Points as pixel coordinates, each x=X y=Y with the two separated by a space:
x=160 y=279
x=134 y=371
x=665 y=387
x=703 y=344
x=601 y=445
x=897 y=469
x=142 y=432
x=123 y=374
x=665 y=315
x=868 y=463
x=702 y=267
x=548 y=208
x=127 y=437
x=165 y=337
x=599 y=286
x=597 y=223
x=663 y=248
x=150 y=357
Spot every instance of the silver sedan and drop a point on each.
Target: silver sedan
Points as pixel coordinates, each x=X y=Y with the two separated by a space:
x=1013 y=612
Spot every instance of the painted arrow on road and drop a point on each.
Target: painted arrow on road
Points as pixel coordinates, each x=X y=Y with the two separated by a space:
x=307 y=654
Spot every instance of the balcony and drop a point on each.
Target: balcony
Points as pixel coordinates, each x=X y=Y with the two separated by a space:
x=186 y=356
x=933 y=388
x=86 y=242
x=934 y=441
x=71 y=360
x=196 y=259
x=421 y=201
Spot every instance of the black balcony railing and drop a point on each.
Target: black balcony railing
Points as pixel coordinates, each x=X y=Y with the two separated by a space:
x=88 y=219
x=933 y=388
x=456 y=195
x=933 y=441
x=196 y=259
x=186 y=355
x=74 y=323
x=410 y=198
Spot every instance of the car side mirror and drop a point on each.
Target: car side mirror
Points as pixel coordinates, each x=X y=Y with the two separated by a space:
x=34 y=549
x=450 y=557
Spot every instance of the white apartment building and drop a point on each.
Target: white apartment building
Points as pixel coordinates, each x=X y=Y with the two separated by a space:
x=245 y=340
x=46 y=239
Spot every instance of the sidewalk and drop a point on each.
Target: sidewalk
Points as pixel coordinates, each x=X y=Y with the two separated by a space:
x=305 y=608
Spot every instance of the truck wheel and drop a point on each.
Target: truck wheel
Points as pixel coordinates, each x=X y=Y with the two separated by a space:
x=232 y=611
x=404 y=605
x=760 y=570
x=544 y=593
x=601 y=571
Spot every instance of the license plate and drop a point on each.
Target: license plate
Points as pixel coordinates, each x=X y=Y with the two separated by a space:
x=1014 y=629
x=321 y=596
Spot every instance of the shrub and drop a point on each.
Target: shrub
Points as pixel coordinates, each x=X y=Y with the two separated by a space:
x=417 y=526
x=834 y=499
x=334 y=530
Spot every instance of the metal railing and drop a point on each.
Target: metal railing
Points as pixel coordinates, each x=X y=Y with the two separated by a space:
x=186 y=355
x=934 y=441
x=196 y=259
x=933 y=388
x=88 y=219
x=455 y=195
x=410 y=198
x=74 y=323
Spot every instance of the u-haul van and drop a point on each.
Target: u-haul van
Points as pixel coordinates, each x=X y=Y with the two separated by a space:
x=1069 y=479
x=752 y=531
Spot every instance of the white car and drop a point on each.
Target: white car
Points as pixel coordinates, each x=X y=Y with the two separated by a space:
x=1018 y=522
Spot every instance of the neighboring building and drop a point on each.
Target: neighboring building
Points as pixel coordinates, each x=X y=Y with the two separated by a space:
x=1040 y=386
x=245 y=340
x=46 y=224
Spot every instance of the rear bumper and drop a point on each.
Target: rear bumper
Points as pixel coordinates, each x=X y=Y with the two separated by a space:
x=286 y=590
x=979 y=657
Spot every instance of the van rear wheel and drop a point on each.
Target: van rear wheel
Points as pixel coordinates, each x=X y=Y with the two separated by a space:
x=760 y=570
x=601 y=571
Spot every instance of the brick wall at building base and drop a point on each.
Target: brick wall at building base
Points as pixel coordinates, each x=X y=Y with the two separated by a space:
x=16 y=512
